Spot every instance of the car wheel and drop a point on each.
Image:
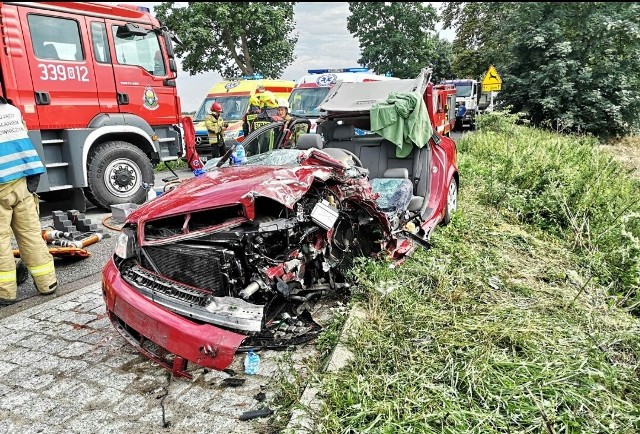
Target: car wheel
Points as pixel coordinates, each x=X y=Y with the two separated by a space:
x=116 y=173
x=452 y=201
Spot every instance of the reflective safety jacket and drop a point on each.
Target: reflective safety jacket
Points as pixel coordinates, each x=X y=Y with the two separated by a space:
x=18 y=155
x=214 y=129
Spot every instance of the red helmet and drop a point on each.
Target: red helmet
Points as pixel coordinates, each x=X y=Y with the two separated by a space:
x=216 y=107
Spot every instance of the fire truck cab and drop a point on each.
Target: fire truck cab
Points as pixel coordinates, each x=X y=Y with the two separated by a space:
x=96 y=87
x=441 y=105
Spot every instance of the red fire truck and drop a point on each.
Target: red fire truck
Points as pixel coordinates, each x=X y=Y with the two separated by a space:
x=96 y=86
x=441 y=105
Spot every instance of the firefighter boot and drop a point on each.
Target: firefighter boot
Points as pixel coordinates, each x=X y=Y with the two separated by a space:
x=33 y=248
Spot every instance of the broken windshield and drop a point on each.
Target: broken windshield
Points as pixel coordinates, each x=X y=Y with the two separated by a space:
x=277 y=157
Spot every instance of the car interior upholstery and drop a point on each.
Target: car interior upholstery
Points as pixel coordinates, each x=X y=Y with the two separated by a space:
x=378 y=155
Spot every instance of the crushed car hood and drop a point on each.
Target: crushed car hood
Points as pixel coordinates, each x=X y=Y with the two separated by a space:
x=230 y=185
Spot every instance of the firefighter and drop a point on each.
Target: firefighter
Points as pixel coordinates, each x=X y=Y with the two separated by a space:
x=252 y=114
x=268 y=113
x=283 y=110
x=215 y=129
x=19 y=210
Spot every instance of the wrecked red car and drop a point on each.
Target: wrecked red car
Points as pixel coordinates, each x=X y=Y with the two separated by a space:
x=233 y=259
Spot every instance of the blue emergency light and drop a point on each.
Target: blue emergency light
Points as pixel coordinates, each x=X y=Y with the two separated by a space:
x=135 y=7
x=253 y=77
x=327 y=71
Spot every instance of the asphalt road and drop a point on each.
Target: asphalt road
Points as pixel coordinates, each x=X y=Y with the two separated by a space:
x=75 y=273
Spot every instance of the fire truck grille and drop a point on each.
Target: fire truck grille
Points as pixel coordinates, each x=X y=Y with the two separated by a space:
x=201 y=268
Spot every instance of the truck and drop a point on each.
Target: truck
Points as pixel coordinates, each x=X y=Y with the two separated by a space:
x=310 y=89
x=468 y=93
x=233 y=94
x=441 y=107
x=96 y=84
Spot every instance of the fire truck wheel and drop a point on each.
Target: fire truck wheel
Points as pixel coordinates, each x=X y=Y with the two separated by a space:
x=452 y=201
x=116 y=173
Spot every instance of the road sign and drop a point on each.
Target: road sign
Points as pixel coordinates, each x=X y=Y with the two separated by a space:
x=491 y=81
x=491 y=87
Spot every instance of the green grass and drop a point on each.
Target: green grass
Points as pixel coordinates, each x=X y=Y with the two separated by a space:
x=512 y=321
x=178 y=164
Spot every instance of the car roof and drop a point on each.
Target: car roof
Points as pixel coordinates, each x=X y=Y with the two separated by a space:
x=348 y=97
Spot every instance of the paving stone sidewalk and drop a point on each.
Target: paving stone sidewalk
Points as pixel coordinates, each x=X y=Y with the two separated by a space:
x=65 y=369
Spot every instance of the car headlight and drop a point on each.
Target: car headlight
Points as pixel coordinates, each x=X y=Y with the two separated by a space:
x=126 y=245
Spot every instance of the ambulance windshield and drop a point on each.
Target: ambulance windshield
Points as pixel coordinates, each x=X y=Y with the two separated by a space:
x=233 y=107
x=304 y=101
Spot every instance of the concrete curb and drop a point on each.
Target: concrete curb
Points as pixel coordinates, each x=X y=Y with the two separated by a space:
x=301 y=421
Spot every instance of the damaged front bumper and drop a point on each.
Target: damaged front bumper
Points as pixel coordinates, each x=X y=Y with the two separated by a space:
x=165 y=337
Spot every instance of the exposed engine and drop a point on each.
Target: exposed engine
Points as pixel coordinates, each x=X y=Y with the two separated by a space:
x=260 y=277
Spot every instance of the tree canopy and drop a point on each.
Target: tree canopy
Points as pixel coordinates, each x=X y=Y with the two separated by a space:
x=232 y=38
x=399 y=38
x=570 y=66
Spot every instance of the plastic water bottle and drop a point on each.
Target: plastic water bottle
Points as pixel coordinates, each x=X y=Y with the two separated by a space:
x=251 y=363
x=238 y=155
x=151 y=193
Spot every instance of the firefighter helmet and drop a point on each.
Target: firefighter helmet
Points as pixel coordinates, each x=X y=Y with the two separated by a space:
x=216 y=107
x=268 y=100
x=254 y=101
x=282 y=102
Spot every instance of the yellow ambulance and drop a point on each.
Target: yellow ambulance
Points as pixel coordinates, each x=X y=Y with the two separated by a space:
x=234 y=96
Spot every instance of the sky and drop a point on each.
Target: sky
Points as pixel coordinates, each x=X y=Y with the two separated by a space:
x=323 y=42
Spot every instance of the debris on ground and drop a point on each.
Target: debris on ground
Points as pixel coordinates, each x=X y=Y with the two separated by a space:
x=252 y=414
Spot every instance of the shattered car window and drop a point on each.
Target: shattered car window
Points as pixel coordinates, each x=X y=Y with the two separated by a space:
x=278 y=157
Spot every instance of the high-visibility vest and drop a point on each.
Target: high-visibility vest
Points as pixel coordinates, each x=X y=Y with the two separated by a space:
x=214 y=129
x=18 y=155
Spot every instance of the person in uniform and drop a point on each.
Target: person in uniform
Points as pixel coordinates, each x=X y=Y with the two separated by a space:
x=251 y=115
x=215 y=129
x=19 y=208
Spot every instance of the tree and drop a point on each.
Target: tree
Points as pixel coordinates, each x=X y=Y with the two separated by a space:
x=232 y=38
x=479 y=41
x=398 y=38
x=570 y=66
x=574 y=66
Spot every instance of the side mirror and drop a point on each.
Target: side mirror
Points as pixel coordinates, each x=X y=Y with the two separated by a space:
x=130 y=29
x=172 y=65
x=167 y=39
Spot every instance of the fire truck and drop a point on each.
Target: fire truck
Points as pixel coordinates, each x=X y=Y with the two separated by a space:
x=441 y=105
x=96 y=85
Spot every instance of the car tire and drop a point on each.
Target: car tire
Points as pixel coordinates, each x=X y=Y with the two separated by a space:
x=116 y=173
x=452 y=201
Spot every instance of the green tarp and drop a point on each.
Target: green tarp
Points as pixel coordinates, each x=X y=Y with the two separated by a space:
x=403 y=120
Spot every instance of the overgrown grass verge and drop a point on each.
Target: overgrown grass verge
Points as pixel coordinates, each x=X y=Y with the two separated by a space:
x=567 y=186
x=510 y=322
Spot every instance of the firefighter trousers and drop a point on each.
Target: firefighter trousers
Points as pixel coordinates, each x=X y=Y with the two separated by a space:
x=20 y=217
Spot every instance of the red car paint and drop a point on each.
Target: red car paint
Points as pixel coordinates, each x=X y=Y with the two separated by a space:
x=203 y=344
x=142 y=318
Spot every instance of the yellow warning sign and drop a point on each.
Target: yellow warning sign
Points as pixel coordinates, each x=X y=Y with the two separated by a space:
x=491 y=81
